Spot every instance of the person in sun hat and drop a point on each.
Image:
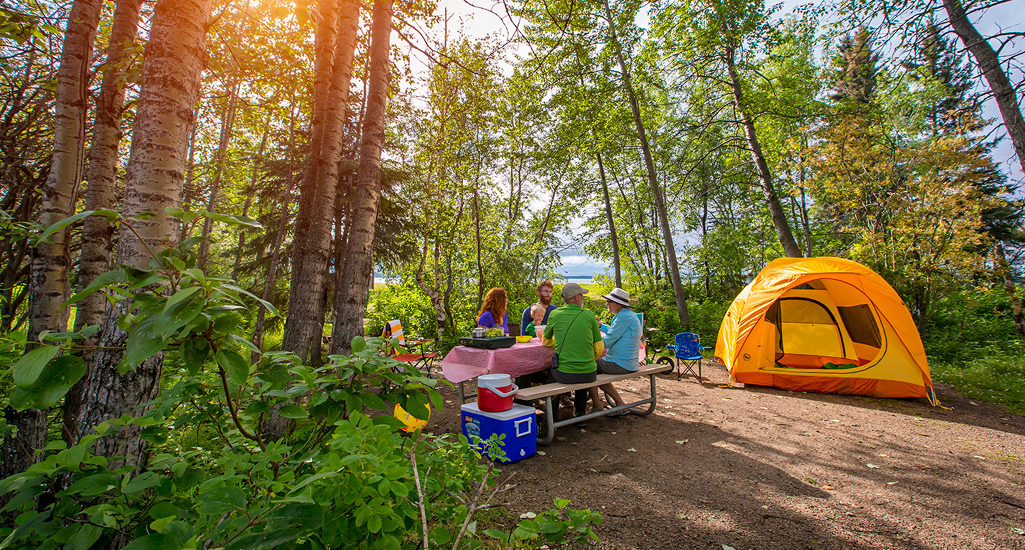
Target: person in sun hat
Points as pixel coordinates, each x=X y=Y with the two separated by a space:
x=622 y=339
x=575 y=334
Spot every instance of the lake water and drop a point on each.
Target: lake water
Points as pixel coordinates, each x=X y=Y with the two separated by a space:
x=577 y=280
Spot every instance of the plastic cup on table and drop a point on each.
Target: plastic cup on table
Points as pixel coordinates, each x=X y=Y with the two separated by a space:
x=540 y=329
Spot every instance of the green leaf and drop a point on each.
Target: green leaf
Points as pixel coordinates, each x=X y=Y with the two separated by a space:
x=417 y=406
x=270 y=307
x=307 y=515
x=93 y=484
x=141 y=482
x=226 y=323
x=292 y=411
x=156 y=435
x=177 y=316
x=234 y=220
x=257 y=407
x=194 y=352
x=101 y=280
x=189 y=478
x=372 y=401
x=266 y=539
x=249 y=345
x=233 y=364
x=187 y=244
x=86 y=536
x=275 y=374
x=496 y=534
x=358 y=344
x=142 y=344
x=72 y=458
x=221 y=500
x=159 y=525
x=181 y=295
x=52 y=384
x=155 y=541
x=56 y=446
x=374 y=523
x=61 y=225
x=162 y=510
x=27 y=370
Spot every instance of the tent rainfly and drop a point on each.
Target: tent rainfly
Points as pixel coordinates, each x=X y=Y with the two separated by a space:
x=824 y=325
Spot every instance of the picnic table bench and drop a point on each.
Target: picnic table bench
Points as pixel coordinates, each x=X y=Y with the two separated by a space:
x=547 y=391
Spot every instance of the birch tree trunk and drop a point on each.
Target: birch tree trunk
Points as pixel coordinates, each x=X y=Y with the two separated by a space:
x=49 y=283
x=98 y=233
x=350 y=298
x=649 y=164
x=611 y=220
x=175 y=56
x=312 y=250
x=1004 y=93
x=779 y=217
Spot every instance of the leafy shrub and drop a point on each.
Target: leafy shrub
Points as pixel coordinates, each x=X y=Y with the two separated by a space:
x=966 y=323
x=343 y=476
x=995 y=376
x=404 y=302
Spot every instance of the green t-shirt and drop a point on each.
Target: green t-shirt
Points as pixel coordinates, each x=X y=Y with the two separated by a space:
x=575 y=331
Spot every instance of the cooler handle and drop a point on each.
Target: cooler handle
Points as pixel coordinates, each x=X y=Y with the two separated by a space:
x=501 y=393
x=521 y=422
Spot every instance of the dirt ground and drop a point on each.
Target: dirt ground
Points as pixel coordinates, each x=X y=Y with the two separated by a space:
x=759 y=468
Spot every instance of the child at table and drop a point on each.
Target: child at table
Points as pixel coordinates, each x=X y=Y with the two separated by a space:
x=537 y=315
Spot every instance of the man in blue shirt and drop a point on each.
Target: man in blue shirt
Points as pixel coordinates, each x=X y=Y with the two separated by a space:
x=544 y=297
x=622 y=342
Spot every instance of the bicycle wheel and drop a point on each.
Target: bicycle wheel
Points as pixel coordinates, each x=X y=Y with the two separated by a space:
x=667 y=361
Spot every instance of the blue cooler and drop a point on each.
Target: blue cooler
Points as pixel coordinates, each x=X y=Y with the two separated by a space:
x=516 y=423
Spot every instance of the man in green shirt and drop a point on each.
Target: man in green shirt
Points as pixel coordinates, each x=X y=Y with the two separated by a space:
x=575 y=334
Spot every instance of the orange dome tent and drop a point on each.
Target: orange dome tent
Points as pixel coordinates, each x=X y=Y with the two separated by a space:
x=824 y=325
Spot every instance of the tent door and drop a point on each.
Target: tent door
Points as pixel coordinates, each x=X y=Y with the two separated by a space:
x=805 y=327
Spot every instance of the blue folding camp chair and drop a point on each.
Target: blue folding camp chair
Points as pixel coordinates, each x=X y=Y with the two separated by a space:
x=688 y=352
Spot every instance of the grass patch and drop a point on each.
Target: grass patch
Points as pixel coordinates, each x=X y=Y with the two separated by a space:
x=994 y=378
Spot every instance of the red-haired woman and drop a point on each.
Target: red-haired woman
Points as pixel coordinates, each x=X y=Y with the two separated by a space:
x=493 y=312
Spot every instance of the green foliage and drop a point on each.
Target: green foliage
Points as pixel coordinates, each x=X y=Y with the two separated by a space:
x=972 y=345
x=343 y=476
x=404 y=302
x=970 y=324
x=994 y=375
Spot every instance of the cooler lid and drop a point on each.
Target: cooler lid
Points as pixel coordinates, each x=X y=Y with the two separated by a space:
x=515 y=412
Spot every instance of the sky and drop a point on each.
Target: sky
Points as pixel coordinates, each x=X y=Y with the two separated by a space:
x=480 y=18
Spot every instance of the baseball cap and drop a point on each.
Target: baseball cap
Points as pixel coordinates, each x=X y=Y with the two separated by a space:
x=571 y=290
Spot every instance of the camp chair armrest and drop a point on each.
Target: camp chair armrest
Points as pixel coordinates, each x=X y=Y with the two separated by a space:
x=416 y=341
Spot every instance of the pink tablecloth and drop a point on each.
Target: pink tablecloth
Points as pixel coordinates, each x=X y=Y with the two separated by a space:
x=465 y=363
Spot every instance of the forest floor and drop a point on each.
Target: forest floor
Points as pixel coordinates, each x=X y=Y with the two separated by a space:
x=760 y=468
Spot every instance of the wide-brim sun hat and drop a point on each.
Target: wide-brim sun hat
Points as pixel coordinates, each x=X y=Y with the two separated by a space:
x=618 y=296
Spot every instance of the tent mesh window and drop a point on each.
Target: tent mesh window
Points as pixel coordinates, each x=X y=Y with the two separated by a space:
x=861 y=325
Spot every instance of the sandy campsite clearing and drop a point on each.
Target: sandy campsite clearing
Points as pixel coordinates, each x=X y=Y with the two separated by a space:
x=759 y=468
